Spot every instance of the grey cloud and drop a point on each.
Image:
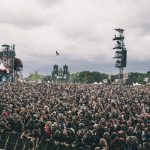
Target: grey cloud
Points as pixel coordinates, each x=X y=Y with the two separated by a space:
x=48 y=3
x=138 y=66
x=76 y=66
x=23 y=14
x=81 y=30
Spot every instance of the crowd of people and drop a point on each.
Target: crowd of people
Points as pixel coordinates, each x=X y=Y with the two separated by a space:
x=77 y=116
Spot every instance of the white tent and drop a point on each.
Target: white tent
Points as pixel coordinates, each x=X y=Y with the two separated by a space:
x=136 y=84
x=100 y=83
x=2 y=67
x=95 y=83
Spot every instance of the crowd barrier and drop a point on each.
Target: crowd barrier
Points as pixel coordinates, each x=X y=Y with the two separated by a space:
x=13 y=141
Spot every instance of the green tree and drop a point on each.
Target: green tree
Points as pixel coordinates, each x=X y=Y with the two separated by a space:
x=35 y=76
x=88 y=77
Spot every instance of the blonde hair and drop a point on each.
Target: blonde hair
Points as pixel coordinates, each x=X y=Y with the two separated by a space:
x=103 y=142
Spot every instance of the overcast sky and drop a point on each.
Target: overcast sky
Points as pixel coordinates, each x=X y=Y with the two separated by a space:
x=81 y=30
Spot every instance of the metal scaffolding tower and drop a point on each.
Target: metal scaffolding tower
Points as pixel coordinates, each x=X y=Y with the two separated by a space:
x=121 y=53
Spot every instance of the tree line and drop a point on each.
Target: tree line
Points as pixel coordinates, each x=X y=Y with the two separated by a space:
x=91 y=77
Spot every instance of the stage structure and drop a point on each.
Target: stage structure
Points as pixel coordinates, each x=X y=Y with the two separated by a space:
x=121 y=53
x=13 y=66
x=60 y=75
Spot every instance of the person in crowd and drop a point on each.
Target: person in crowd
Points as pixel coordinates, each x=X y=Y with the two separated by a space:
x=77 y=116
